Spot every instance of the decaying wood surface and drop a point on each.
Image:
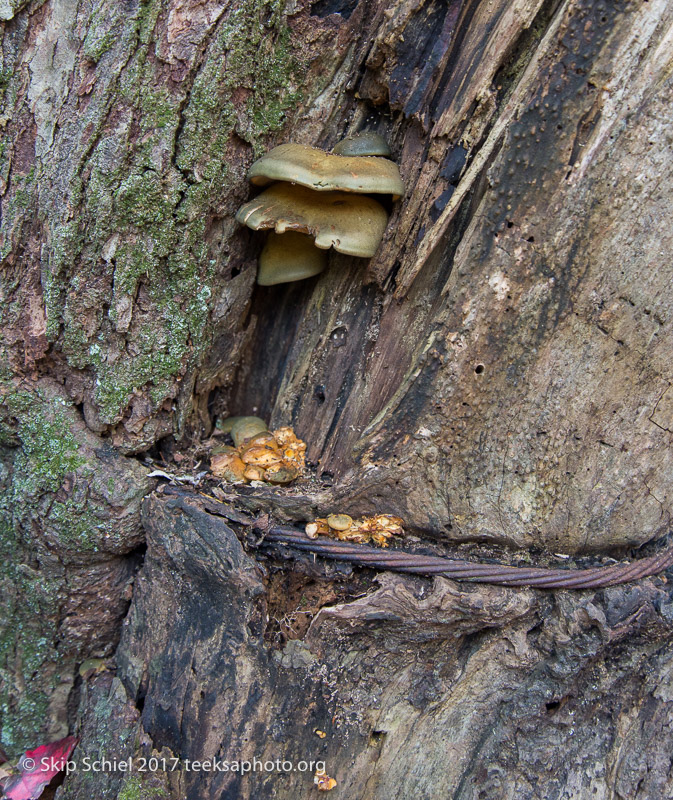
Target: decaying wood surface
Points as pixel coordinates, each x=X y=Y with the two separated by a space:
x=499 y=372
x=511 y=380
x=425 y=688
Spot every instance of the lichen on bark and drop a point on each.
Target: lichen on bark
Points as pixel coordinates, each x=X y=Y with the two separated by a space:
x=121 y=144
x=69 y=512
x=150 y=143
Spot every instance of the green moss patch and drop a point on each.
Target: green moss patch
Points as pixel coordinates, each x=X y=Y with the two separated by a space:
x=137 y=312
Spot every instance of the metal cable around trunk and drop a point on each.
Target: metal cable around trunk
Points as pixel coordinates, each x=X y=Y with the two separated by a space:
x=538 y=577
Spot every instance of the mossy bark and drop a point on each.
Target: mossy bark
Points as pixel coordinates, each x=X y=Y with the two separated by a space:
x=70 y=523
x=500 y=370
x=125 y=132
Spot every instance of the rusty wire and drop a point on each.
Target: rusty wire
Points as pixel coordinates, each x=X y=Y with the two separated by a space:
x=415 y=563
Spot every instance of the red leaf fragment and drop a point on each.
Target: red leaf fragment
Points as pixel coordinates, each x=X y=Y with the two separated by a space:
x=38 y=767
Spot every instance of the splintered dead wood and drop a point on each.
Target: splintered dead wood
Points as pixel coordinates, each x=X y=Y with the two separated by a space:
x=294 y=599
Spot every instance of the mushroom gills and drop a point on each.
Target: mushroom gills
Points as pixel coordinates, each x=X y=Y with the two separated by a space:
x=366 y=143
x=289 y=257
x=350 y=223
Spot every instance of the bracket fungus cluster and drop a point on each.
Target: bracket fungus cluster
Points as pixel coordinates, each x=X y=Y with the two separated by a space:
x=378 y=529
x=317 y=200
x=258 y=454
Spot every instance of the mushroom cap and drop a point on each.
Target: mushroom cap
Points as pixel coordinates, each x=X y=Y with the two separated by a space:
x=366 y=143
x=228 y=466
x=324 y=172
x=253 y=473
x=245 y=428
x=352 y=224
x=339 y=522
x=280 y=473
x=261 y=456
x=225 y=424
x=289 y=257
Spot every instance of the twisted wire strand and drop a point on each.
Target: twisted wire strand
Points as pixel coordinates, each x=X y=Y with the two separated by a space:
x=418 y=564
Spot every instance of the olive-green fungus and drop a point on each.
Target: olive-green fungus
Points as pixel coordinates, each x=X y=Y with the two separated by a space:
x=350 y=223
x=324 y=172
x=366 y=143
x=319 y=198
x=289 y=257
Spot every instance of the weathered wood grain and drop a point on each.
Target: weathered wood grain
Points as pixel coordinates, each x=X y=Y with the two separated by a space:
x=423 y=688
x=504 y=383
x=500 y=371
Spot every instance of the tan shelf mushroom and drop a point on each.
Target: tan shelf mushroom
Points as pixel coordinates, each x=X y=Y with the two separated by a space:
x=316 y=201
x=325 y=172
x=289 y=257
x=350 y=223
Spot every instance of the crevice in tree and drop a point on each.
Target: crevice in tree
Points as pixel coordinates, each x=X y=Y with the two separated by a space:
x=475 y=352
x=323 y=8
x=278 y=311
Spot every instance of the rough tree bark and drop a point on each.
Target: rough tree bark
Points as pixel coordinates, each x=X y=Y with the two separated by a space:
x=499 y=373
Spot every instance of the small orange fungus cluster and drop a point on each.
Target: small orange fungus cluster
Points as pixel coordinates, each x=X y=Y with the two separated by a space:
x=377 y=530
x=324 y=782
x=258 y=453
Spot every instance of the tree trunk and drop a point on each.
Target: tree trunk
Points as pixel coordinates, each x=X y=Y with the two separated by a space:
x=498 y=373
